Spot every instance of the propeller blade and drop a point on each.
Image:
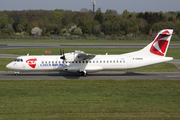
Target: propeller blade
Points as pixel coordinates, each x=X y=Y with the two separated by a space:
x=63 y=56
x=60 y=51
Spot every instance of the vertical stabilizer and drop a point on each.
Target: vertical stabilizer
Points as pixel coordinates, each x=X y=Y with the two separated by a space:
x=160 y=44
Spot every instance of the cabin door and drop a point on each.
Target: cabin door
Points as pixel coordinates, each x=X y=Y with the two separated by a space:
x=130 y=63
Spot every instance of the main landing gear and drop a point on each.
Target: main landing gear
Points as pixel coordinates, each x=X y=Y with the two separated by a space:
x=83 y=73
x=16 y=73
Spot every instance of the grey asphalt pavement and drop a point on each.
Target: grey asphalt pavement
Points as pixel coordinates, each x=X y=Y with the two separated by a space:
x=104 y=75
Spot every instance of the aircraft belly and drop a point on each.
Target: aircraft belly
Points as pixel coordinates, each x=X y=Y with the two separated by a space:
x=88 y=69
x=114 y=67
x=93 y=68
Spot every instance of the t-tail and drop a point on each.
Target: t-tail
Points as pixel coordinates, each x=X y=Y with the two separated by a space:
x=153 y=53
x=159 y=46
x=161 y=43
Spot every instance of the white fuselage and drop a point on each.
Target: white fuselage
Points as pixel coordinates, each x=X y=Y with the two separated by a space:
x=98 y=63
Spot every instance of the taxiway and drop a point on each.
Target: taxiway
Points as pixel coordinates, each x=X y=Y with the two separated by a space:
x=104 y=75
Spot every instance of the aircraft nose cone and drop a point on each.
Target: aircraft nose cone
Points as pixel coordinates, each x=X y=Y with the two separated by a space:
x=8 y=66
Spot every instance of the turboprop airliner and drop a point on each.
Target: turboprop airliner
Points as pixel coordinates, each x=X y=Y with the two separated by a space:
x=83 y=63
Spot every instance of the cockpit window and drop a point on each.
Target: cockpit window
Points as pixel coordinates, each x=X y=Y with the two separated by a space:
x=18 y=60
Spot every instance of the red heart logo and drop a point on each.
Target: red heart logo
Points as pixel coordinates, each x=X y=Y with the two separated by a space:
x=32 y=62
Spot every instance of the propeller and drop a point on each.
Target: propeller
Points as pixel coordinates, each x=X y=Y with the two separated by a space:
x=63 y=56
x=60 y=51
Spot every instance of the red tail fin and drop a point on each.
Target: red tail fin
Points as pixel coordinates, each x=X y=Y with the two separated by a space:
x=161 y=43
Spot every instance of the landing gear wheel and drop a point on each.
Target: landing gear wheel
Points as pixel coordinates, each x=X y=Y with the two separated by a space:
x=83 y=74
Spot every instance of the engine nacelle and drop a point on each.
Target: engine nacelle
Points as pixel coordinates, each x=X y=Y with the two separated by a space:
x=70 y=57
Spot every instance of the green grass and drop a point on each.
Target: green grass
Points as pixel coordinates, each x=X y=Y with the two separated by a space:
x=4 y=62
x=90 y=100
x=80 y=41
x=56 y=51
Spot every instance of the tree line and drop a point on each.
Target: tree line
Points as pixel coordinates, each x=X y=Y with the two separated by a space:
x=84 y=23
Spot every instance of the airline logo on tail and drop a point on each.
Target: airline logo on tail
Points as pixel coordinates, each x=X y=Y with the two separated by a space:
x=160 y=44
x=32 y=62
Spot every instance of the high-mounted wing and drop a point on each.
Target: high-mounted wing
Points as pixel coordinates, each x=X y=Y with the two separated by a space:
x=76 y=55
x=84 y=56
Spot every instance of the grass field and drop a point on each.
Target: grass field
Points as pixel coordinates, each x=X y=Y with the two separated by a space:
x=4 y=62
x=90 y=100
x=56 y=51
x=80 y=41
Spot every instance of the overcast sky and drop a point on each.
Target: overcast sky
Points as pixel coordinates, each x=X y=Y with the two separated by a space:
x=76 y=5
